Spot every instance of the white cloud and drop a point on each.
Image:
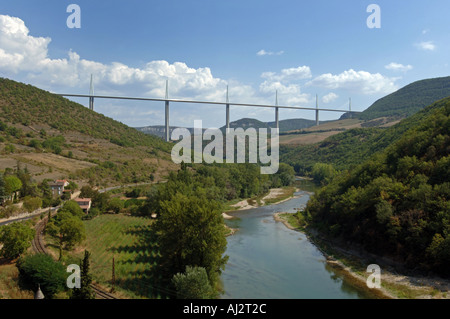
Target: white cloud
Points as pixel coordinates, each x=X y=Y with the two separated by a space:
x=264 y=52
x=22 y=53
x=286 y=83
x=330 y=97
x=398 y=67
x=361 y=82
x=299 y=73
x=426 y=46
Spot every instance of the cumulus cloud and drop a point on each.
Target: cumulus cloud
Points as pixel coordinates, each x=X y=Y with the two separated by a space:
x=264 y=52
x=286 y=83
x=398 y=67
x=22 y=53
x=18 y=50
x=356 y=81
x=330 y=97
x=426 y=46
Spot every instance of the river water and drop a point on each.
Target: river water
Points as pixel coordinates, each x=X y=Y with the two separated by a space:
x=269 y=261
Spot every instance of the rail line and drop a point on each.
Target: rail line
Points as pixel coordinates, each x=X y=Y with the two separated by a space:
x=39 y=247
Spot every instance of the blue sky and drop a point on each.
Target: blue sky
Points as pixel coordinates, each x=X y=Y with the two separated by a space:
x=300 y=48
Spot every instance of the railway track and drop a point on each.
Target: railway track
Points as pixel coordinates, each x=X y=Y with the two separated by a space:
x=37 y=242
x=39 y=247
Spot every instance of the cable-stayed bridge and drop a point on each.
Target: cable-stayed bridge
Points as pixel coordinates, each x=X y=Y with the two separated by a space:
x=227 y=105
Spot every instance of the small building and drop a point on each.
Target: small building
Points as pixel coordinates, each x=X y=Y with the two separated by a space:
x=84 y=203
x=57 y=187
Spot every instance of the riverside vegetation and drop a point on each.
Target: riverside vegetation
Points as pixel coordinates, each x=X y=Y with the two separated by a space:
x=396 y=203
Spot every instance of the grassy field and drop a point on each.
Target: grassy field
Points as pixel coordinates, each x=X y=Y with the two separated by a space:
x=130 y=241
x=9 y=287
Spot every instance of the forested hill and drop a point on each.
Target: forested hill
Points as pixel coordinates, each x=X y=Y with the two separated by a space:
x=397 y=202
x=409 y=100
x=351 y=147
x=27 y=105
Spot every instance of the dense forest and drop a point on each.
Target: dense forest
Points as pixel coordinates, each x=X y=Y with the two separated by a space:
x=397 y=202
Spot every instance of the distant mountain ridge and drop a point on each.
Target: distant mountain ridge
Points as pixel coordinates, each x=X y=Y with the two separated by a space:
x=408 y=100
x=285 y=126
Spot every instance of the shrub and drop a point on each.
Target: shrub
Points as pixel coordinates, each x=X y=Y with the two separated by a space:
x=42 y=270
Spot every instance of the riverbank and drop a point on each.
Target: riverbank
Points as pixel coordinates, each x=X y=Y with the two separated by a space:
x=353 y=264
x=274 y=196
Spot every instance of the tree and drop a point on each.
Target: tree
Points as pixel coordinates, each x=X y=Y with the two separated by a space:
x=72 y=186
x=72 y=231
x=73 y=208
x=42 y=270
x=16 y=238
x=193 y=284
x=115 y=205
x=286 y=174
x=88 y=192
x=32 y=203
x=191 y=232
x=85 y=291
x=2 y=189
x=12 y=184
x=47 y=196
x=323 y=173
x=68 y=228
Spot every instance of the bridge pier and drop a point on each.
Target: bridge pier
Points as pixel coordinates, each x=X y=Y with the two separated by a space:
x=317 y=110
x=91 y=93
x=167 y=112
x=277 y=122
x=227 y=112
x=91 y=103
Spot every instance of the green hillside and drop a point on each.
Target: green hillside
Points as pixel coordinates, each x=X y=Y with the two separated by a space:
x=409 y=100
x=350 y=147
x=294 y=124
x=56 y=138
x=28 y=105
x=397 y=202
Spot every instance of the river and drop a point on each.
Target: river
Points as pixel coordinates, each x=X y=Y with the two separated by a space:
x=269 y=261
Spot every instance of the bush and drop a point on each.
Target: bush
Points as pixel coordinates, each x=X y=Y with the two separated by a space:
x=42 y=270
x=193 y=284
x=32 y=203
x=93 y=212
x=16 y=238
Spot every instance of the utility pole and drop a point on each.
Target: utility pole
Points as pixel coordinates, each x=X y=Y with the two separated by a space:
x=113 y=279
